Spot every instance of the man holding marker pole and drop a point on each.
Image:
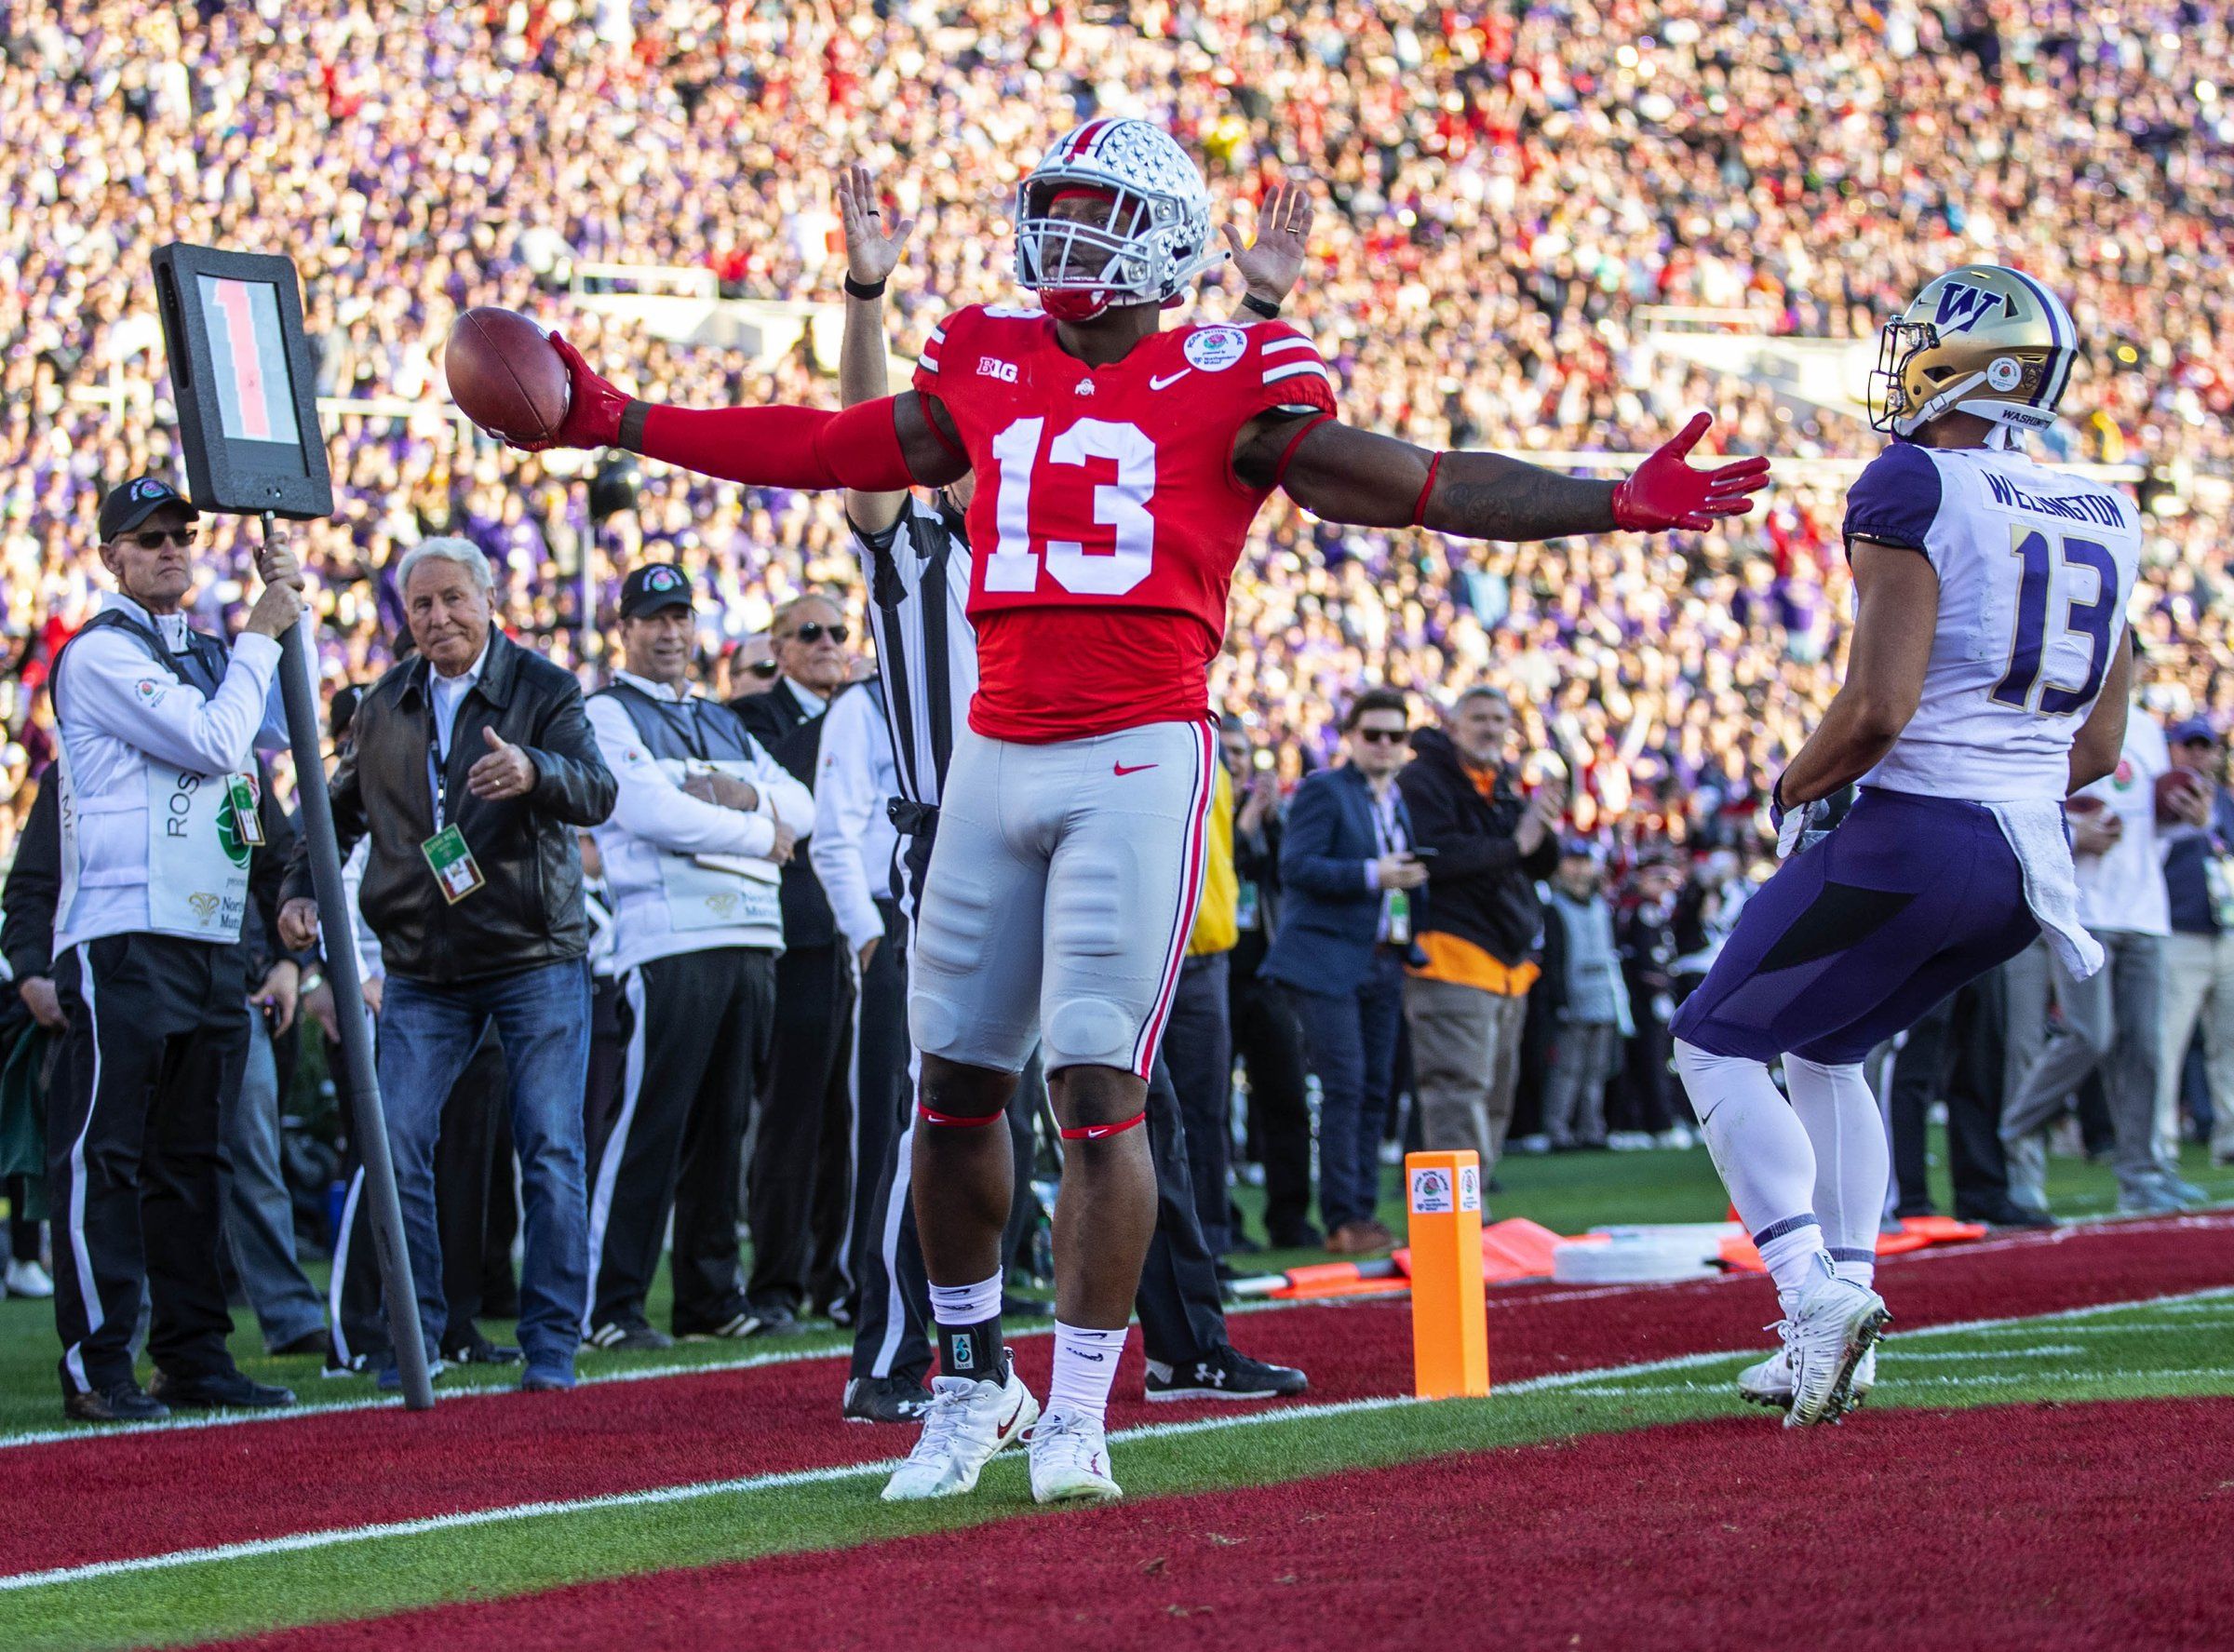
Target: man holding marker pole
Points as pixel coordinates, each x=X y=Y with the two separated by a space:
x=159 y=725
x=473 y=766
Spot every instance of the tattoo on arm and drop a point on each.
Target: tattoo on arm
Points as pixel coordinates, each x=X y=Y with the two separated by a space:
x=1490 y=496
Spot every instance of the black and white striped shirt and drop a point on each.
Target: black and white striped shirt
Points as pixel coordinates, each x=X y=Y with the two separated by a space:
x=916 y=573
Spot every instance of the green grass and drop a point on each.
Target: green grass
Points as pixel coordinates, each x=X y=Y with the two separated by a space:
x=2171 y=1348
x=1567 y=1192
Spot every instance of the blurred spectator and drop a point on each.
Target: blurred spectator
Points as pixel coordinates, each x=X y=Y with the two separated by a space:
x=2198 y=957
x=796 y=1186
x=1957 y=1054
x=1586 y=997
x=1346 y=932
x=2112 y=1023
x=1478 y=928
x=1647 y=1096
x=470 y=770
x=1267 y=1043
x=1198 y=1040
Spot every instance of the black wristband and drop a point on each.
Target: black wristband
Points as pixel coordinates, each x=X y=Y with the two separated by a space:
x=1258 y=306
x=856 y=290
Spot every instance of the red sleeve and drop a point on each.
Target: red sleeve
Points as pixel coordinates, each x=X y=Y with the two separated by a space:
x=926 y=381
x=1282 y=369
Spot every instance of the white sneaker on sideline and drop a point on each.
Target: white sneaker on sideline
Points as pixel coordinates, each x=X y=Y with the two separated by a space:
x=28 y=1279
x=1071 y=1460
x=1770 y=1382
x=1826 y=1336
x=969 y=1423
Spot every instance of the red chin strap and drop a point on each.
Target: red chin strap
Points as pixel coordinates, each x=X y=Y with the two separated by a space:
x=1072 y=303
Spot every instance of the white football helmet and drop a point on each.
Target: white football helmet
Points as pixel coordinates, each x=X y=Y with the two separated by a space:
x=1982 y=339
x=1153 y=239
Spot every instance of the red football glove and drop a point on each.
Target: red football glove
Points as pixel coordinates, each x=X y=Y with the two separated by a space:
x=592 y=408
x=1665 y=492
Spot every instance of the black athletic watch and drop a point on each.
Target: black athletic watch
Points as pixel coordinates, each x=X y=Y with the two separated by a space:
x=1258 y=306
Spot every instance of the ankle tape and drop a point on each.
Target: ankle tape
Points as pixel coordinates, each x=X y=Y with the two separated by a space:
x=958 y=1121
x=1098 y=1131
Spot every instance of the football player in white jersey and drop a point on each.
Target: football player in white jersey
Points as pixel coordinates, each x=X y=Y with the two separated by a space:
x=1987 y=679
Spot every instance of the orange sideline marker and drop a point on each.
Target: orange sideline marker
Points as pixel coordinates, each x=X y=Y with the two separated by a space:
x=1450 y=1333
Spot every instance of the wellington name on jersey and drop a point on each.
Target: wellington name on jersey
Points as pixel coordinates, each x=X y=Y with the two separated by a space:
x=1107 y=519
x=2035 y=571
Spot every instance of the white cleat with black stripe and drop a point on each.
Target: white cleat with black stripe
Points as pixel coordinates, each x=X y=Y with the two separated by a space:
x=1071 y=1460
x=1828 y=1332
x=1769 y=1382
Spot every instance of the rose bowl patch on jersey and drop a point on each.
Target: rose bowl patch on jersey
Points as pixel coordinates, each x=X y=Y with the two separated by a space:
x=1213 y=349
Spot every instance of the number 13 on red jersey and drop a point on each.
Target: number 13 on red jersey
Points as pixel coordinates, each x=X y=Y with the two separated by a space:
x=1125 y=556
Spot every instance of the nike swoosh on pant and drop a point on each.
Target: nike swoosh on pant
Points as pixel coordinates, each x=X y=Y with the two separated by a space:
x=1129 y=767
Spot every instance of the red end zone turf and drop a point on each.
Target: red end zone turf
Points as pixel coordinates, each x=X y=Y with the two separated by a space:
x=86 y=1499
x=2008 y=1526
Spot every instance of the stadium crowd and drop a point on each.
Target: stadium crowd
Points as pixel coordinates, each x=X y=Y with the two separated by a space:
x=1507 y=190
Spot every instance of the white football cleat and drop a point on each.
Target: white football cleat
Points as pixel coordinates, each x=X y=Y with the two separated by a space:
x=1826 y=1336
x=1071 y=1460
x=969 y=1423
x=1770 y=1382
x=28 y=1279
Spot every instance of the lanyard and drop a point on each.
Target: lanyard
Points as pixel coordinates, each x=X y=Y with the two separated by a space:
x=686 y=725
x=1386 y=836
x=437 y=772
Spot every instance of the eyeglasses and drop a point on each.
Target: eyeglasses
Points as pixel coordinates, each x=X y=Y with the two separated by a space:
x=764 y=670
x=154 y=539
x=1381 y=736
x=815 y=631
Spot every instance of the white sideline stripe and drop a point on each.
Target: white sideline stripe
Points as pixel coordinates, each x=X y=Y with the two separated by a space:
x=2196 y=1301
x=1592 y=1381
x=2078 y=1379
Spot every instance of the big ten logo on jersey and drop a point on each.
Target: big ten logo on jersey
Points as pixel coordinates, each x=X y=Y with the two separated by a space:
x=987 y=368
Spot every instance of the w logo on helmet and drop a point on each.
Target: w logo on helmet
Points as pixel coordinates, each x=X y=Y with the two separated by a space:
x=1961 y=307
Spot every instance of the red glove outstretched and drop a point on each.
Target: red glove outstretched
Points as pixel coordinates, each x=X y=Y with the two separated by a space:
x=1665 y=492
x=593 y=410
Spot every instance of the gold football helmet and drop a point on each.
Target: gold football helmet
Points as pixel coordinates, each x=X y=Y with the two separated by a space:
x=1982 y=339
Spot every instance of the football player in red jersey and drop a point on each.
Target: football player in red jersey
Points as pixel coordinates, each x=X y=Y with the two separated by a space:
x=1118 y=468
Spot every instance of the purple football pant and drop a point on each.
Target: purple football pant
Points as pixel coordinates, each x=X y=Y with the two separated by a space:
x=1853 y=940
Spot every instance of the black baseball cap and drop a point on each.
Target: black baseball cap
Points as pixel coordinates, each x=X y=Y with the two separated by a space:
x=132 y=502
x=654 y=587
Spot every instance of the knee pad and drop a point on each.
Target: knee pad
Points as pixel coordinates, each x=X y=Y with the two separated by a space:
x=958 y=1121
x=1091 y=1032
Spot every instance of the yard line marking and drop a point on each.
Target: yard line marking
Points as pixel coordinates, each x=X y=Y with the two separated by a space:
x=1899 y=1356
x=1594 y=1382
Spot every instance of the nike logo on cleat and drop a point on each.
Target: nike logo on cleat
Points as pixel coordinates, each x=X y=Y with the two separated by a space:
x=1129 y=767
x=1012 y=1418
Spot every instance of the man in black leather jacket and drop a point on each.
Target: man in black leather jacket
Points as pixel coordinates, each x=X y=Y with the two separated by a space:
x=473 y=768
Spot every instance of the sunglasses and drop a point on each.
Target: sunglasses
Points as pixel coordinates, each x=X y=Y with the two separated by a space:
x=764 y=670
x=154 y=539
x=1381 y=736
x=814 y=631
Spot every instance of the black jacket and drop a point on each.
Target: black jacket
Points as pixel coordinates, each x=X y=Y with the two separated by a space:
x=792 y=736
x=1481 y=888
x=530 y=912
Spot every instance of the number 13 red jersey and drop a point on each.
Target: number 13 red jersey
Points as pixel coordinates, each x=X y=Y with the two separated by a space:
x=1107 y=521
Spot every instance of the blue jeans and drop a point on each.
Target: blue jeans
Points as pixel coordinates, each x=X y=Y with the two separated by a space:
x=260 y=1214
x=427 y=1035
x=1352 y=1039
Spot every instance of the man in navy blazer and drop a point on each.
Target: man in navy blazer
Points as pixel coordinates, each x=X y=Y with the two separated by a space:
x=1346 y=930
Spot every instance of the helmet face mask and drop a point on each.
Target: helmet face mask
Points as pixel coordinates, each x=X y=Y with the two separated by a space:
x=1981 y=339
x=1137 y=229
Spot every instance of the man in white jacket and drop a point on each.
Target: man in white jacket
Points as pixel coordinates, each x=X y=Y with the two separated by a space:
x=704 y=818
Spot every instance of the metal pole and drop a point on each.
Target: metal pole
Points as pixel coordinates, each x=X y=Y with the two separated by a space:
x=359 y=1083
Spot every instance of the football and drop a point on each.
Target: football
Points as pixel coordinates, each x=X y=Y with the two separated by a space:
x=504 y=376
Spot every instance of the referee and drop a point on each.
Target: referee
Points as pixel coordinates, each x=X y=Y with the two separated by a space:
x=915 y=560
x=159 y=728
x=704 y=819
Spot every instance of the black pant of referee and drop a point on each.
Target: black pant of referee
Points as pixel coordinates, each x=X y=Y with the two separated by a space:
x=795 y=1186
x=698 y=1027
x=158 y=1031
